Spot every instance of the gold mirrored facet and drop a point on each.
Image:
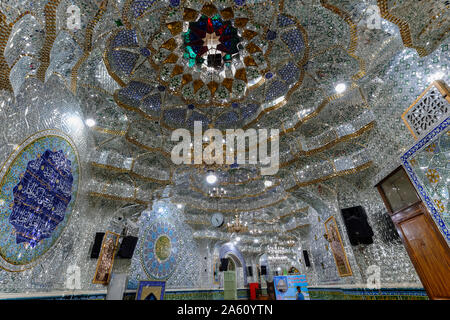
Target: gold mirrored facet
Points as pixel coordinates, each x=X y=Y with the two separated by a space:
x=228 y=83
x=253 y=48
x=170 y=44
x=240 y=22
x=177 y=70
x=249 y=61
x=172 y=58
x=175 y=27
x=249 y=34
x=241 y=74
x=227 y=13
x=197 y=85
x=190 y=14
x=186 y=79
x=209 y=10
x=212 y=86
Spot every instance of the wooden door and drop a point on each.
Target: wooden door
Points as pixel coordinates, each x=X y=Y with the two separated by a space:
x=427 y=248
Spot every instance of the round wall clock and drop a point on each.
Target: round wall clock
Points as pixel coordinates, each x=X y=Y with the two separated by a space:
x=217 y=220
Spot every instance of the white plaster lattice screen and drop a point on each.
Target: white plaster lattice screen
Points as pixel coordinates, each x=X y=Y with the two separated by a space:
x=430 y=109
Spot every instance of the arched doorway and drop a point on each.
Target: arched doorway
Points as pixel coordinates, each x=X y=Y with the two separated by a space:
x=232 y=277
x=237 y=266
x=229 y=251
x=231 y=265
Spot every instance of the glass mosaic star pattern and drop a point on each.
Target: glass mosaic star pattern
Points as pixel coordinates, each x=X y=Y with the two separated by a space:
x=159 y=252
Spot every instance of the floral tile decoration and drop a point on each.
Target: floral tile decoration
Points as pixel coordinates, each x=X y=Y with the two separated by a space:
x=428 y=165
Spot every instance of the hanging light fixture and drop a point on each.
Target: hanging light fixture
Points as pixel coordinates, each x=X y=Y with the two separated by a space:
x=237 y=226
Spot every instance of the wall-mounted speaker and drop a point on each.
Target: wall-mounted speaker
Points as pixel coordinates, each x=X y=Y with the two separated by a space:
x=263 y=270
x=127 y=247
x=358 y=229
x=306 y=257
x=250 y=271
x=97 y=246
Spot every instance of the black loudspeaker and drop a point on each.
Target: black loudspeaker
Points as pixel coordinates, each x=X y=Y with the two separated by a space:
x=306 y=256
x=250 y=271
x=263 y=270
x=223 y=265
x=358 y=229
x=127 y=247
x=95 y=252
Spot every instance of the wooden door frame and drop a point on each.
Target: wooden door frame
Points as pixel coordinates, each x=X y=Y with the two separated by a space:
x=406 y=213
x=384 y=197
x=411 y=212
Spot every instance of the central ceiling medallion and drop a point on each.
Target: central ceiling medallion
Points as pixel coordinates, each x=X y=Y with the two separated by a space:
x=211 y=42
x=209 y=56
x=172 y=59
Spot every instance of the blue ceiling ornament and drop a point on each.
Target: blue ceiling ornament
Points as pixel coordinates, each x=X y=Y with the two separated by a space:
x=271 y=35
x=239 y=2
x=145 y=52
x=234 y=166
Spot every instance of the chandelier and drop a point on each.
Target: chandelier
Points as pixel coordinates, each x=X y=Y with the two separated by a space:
x=217 y=192
x=237 y=226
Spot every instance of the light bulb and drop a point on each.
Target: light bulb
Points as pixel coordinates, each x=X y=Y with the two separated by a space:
x=211 y=178
x=90 y=122
x=341 y=87
x=268 y=183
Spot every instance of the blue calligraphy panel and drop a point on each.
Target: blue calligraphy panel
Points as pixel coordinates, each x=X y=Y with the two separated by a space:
x=38 y=188
x=41 y=197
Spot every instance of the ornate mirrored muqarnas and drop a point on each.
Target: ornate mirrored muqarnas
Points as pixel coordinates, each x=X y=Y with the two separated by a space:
x=38 y=189
x=207 y=55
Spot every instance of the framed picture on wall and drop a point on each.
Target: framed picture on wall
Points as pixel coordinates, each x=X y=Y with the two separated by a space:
x=151 y=290
x=337 y=247
x=106 y=259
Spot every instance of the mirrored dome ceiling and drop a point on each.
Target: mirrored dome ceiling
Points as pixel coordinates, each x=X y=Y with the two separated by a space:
x=321 y=72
